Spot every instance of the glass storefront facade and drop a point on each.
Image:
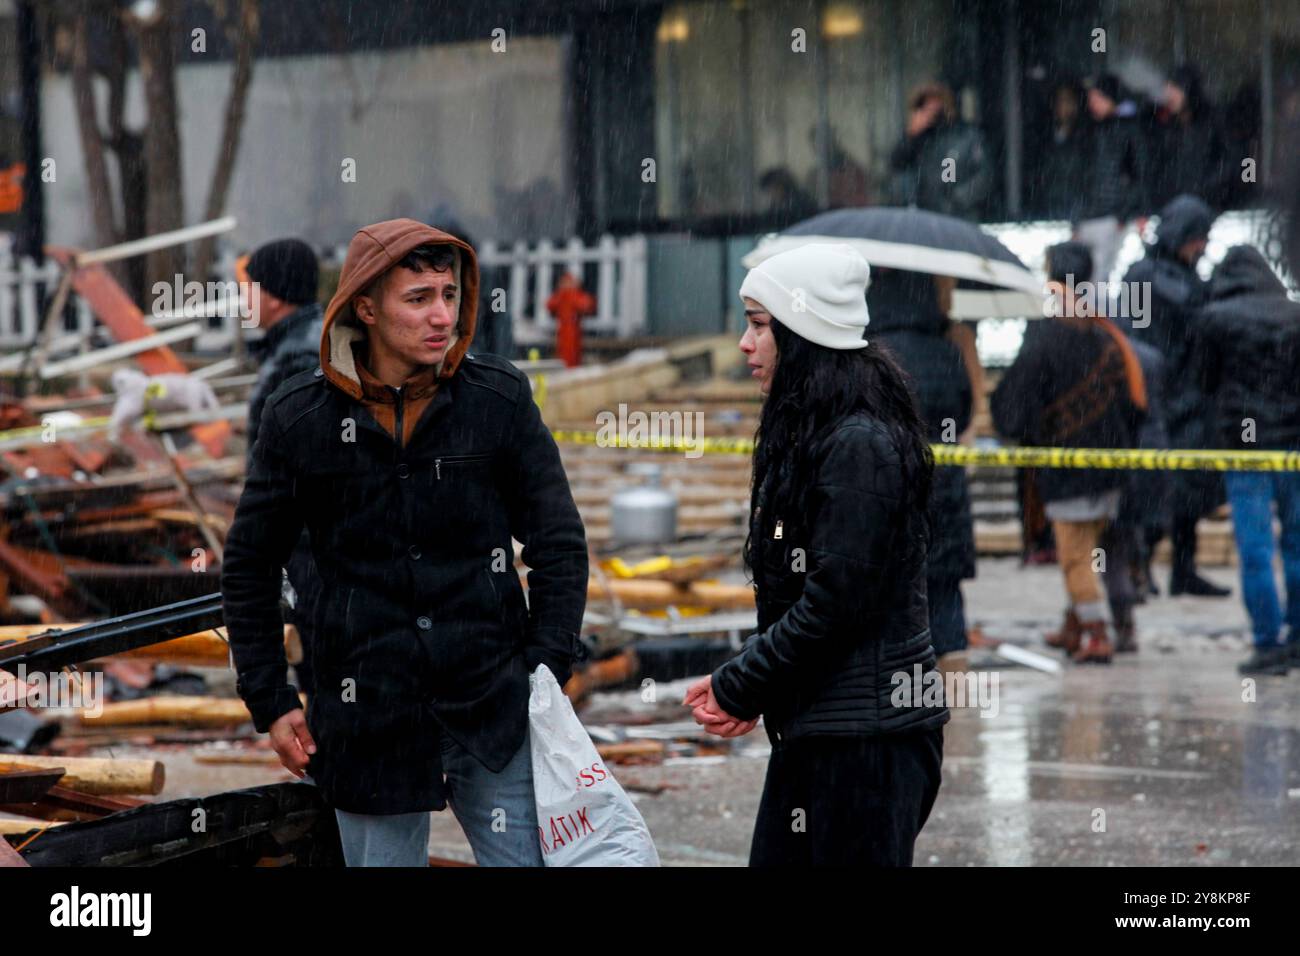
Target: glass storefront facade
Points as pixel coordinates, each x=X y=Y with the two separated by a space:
x=767 y=107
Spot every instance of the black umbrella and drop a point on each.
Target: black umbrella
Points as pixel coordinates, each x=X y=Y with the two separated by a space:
x=927 y=242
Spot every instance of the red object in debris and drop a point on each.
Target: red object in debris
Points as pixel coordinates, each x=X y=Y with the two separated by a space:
x=569 y=304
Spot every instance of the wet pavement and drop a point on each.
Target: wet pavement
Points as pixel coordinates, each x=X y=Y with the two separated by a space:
x=1158 y=759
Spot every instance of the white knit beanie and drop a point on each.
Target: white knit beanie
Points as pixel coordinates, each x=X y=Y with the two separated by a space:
x=818 y=291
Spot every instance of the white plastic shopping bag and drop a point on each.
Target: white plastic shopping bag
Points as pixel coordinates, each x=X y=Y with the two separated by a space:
x=584 y=818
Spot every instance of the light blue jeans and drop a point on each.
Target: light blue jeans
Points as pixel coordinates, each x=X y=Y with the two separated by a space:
x=496 y=810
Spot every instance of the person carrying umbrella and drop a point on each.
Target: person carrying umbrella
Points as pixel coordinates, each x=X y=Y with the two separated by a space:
x=914 y=326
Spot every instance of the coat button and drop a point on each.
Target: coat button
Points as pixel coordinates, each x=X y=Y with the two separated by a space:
x=414 y=552
x=423 y=623
x=403 y=470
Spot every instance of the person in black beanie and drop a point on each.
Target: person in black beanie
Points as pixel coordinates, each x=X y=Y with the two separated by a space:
x=1113 y=189
x=279 y=281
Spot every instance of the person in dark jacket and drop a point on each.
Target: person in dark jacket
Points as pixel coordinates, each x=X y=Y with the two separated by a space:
x=283 y=276
x=1144 y=510
x=1062 y=160
x=1113 y=188
x=1248 y=345
x=909 y=321
x=837 y=548
x=942 y=163
x=1176 y=294
x=1190 y=154
x=1077 y=383
x=412 y=462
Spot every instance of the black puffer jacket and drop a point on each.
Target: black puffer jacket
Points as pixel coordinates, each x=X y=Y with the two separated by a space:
x=1249 y=352
x=1115 y=170
x=841 y=613
x=905 y=318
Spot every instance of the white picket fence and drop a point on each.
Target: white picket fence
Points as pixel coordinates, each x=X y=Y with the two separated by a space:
x=20 y=315
x=620 y=288
x=532 y=273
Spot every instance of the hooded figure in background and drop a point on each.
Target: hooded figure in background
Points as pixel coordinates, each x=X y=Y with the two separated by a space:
x=908 y=321
x=1176 y=295
x=412 y=462
x=1248 y=363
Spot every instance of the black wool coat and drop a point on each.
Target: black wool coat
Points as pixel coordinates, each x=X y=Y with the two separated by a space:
x=421 y=627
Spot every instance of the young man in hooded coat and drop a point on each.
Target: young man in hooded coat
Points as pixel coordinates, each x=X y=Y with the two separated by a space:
x=412 y=462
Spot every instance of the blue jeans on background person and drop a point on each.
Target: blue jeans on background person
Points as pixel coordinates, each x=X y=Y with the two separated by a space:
x=1251 y=494
x=478 y=797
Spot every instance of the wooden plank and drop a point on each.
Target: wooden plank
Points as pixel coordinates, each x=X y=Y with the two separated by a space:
x=27 y=786
x=60 y=803
x=98 y=776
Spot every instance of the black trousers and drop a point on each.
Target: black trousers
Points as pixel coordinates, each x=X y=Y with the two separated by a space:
x=847 y=801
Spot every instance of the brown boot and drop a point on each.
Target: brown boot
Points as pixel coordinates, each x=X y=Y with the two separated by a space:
x=1094 y=645
x=1068 y=636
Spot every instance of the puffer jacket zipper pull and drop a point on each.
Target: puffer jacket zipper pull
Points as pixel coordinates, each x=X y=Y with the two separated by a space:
x=437 y=468
x=780 y=531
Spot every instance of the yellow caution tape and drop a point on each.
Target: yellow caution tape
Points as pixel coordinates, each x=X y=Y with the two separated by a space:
x=34 y=431
x=1140 y=459
x=723 y=446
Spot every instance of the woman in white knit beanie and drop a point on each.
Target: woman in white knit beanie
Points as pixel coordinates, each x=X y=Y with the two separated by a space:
x=841 y=668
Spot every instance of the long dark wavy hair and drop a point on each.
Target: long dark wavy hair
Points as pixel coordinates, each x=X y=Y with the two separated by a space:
x=813 y=388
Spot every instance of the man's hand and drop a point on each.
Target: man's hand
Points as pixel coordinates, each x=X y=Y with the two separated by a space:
x=708 y=713
x=292 y=741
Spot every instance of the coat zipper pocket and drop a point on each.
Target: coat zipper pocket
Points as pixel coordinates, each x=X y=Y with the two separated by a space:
x=455 y=460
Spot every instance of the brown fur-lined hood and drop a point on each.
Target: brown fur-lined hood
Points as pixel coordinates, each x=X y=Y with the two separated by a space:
x=373 y=251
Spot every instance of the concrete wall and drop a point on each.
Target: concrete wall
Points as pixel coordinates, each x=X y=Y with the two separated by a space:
x=450 y=128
